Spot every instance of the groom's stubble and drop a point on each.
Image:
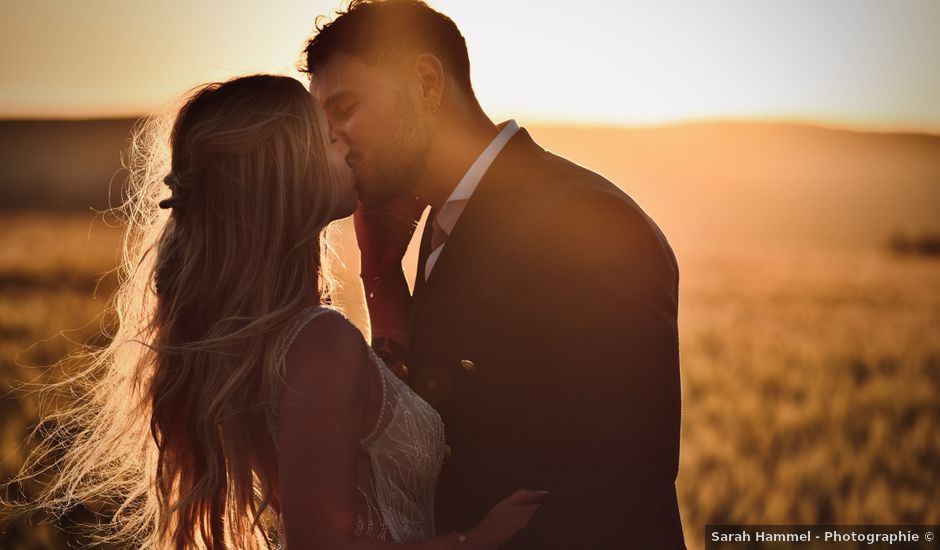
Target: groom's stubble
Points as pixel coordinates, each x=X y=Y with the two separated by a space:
x=400 y=157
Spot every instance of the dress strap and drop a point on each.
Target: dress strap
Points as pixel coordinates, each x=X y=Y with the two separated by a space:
x=383 y=413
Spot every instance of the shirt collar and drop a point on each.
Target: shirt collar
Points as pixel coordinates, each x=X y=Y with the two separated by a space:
x=447 y=217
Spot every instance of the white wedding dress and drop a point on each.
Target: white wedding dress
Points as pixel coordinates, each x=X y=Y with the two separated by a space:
x=406 y=449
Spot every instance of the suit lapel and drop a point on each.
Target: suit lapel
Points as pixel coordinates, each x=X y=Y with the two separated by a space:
x=471 y=246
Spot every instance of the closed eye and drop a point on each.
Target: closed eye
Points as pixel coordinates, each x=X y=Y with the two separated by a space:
x=345 y=110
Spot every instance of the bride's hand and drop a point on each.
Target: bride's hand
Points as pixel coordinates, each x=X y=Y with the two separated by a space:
x=508 y=517
x=383 y=233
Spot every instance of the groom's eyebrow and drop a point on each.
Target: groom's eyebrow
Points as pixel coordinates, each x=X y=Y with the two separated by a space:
x=338 y=96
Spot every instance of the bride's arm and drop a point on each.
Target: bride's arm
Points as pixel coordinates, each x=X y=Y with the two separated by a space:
x=383 y=234
x=327 y=369
x=389 y=302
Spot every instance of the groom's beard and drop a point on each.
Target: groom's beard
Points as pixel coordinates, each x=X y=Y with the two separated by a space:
x=397 y=162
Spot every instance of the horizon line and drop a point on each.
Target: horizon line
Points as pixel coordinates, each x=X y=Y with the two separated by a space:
x=568 y=123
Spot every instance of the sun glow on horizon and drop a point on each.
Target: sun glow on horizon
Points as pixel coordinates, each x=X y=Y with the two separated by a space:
x=865 y=64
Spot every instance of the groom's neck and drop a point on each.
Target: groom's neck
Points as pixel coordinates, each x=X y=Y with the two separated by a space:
x=458 y=139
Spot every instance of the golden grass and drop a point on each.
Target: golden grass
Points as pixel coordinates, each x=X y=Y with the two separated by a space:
x=809 y=377
x=53 y=287
x=809 y=384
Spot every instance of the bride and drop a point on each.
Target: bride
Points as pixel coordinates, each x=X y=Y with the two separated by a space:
x=234 y=407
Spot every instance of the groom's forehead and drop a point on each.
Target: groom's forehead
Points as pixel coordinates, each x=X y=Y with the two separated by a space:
x=344 y=74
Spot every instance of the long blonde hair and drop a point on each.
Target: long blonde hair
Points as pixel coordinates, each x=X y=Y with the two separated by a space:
x=154 y=428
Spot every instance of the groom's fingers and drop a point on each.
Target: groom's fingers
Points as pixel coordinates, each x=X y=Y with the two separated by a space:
x=535 y=497
x=526 y=496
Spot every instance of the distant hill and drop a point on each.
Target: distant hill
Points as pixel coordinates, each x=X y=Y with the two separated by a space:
x=783 y=183
x=712 y=181
x=62 y=164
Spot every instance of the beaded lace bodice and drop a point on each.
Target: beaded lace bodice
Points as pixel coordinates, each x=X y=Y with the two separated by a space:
x=406 y=449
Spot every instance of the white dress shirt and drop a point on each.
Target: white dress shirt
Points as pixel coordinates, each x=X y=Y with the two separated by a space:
x=450 y=211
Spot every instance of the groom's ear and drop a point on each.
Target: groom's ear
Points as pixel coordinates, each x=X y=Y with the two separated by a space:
x=430 y=77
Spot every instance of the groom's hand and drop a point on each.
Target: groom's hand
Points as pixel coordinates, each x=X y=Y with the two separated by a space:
x=383 y=233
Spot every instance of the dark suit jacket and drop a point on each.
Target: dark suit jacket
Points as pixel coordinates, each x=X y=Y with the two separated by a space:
x=546 y=338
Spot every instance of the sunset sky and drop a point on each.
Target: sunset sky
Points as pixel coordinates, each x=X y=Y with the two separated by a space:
x=858 y=63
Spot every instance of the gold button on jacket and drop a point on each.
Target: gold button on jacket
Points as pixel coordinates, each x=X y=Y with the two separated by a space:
x=467 y=365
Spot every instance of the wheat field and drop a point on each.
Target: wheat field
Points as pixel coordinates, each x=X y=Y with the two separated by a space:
x=810 y=350
x=809 y=378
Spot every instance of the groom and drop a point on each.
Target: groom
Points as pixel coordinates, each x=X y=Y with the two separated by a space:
x=543 y=321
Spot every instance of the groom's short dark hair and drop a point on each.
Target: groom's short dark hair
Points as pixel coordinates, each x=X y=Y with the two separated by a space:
x=375 y=30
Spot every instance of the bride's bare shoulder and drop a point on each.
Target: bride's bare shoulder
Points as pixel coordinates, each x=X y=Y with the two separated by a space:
x=329 y=350
x=330 y=328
